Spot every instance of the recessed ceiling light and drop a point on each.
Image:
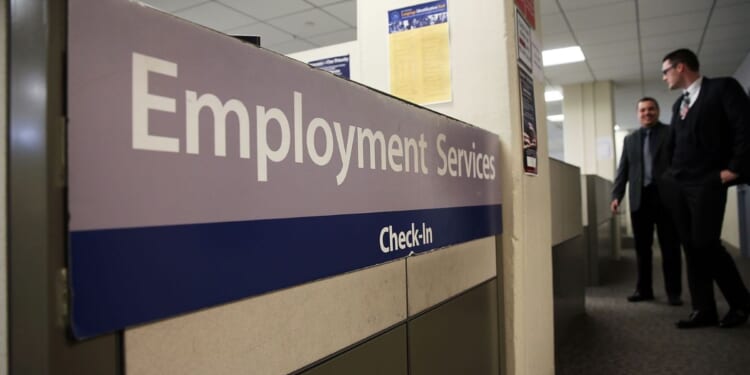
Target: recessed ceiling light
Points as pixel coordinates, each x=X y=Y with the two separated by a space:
x=556 y=118
x=562 y=56
x=553 y=96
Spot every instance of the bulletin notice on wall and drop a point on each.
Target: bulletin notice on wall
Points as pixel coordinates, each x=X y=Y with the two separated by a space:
x=523 y=42
x=528 y=116
x=338 y=65
x=419 y=49
x=527 y=8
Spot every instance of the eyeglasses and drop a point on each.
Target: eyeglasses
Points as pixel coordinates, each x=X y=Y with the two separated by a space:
x=665 y=71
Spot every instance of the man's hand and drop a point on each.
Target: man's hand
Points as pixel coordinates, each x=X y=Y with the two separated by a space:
x=614 y=205
x=728 y=176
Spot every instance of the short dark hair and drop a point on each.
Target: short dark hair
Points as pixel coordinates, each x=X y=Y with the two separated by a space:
x=685 y=56
x=648 y=99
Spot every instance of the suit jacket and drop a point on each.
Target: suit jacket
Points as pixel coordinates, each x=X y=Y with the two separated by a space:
x=714 y=134
x=631 y=163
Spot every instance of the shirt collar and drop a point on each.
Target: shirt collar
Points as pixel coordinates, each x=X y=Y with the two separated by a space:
x=694 y=89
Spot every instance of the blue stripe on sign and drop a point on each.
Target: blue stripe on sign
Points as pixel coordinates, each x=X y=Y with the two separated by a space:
x=122 y=277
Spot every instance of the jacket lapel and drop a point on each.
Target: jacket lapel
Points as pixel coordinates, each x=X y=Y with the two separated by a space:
x=695 y=109
x=659 y=132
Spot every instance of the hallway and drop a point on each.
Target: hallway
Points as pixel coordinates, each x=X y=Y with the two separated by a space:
x=618 y=337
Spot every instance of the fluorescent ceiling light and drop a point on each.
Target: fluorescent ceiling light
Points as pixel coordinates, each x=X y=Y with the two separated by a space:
x=556 y=118
x=562 y=56
x=553 y=96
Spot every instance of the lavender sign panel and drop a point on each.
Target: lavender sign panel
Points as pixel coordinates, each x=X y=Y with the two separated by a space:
x=203 y=170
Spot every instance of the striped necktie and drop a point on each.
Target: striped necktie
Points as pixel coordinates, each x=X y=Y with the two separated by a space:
x=648 y=159
x=685 y=107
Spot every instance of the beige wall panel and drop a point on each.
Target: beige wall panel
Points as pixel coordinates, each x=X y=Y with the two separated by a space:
x=604 y=112
x=438 y=275
x=730 y=232
x=275 y=333
x=589 y=127
x=557 y=192
x=565 y=190
x=573 y=205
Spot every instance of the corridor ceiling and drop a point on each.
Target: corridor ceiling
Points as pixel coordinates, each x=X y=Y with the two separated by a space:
x=623 y=40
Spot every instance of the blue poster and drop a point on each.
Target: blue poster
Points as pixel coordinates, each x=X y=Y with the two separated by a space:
x=338 y=65
x=416 y=16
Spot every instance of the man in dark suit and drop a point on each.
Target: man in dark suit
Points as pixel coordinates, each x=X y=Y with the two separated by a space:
x=643 y=159
x=710 y=150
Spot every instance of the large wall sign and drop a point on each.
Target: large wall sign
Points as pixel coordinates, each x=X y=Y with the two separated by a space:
x=203 y=170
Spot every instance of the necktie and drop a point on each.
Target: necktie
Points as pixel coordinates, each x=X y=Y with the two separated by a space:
x=648 y=161
x=685 y=105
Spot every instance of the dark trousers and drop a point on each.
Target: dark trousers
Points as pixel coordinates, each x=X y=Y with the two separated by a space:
x=698 y=210
x=653 y=213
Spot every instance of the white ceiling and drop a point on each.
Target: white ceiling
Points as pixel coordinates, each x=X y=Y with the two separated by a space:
x=284 y=26
x=623 y=40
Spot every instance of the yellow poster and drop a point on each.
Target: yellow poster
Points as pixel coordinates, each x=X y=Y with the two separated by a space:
x=420 y=53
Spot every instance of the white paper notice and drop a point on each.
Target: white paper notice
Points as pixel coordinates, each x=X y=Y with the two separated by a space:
x=604 y=148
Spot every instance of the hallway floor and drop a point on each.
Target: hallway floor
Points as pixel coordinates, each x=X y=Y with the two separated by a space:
x=619 y=337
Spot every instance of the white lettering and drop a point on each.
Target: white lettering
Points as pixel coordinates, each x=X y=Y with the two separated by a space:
x=315 y=124
x=298 y=127
x=313 y=139
x=411 y=144
x=403 y=240
x=444 y=168
x=459 y=162
x=194 y=104
x=344 y=150
x=143 y=102
x=422 y=148
x=265 y=153
x=395 y=150
x=373 y=138
x=384 y=232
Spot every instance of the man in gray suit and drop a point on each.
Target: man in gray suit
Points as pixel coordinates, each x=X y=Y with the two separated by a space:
x=643 y=161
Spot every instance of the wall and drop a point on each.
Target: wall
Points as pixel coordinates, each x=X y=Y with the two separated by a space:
x=484 y=80
x=626 y=99
x=4 y=197
x=348 y=48
x=589 y=143
x=730 y=233
x=623 y=214
x=589 y=127
x=569 y=257
x=566 y=208
x=599 y=230
x=743 y=72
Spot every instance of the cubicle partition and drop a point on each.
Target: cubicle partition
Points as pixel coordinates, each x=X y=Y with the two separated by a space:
x=569 y=252
x=599 y=228
x=184 y=203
